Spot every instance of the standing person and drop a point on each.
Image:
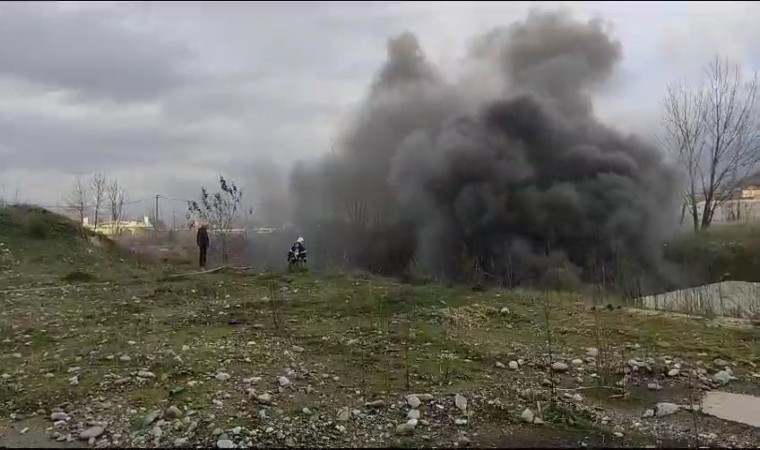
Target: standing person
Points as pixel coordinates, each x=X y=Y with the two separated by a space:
x=201 y=238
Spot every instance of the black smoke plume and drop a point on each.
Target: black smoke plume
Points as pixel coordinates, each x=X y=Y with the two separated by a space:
x=505 y=174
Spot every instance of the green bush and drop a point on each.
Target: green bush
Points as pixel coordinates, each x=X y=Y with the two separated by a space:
x=37 y=226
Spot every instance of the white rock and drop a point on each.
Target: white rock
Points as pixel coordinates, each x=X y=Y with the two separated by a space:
x=125 y=358
x=504 y=310
x=527 y=416
x=298 y=349
x=413 y=414
x=666 y=409
x=414 y=401
x=74 y=381
x=283 y=381
x=461 y=422
x=251 y=380
x=460 y=401
x=500 y=365
x=92 y=432
x=223 y=376
x=592 y=352
x=225 y=443
x=412 y=422
x=577 y=398
x=157 y=432
x=655 y=386
x=514 y=365
x=724 y=377
x=185 y=348
x=559 y=367
x=577 y=362
x=146 y=374
x=56 y=416
x=618 y=434
x=344 y=414
x=673 y=372
x=648 y=413
x=265 y=398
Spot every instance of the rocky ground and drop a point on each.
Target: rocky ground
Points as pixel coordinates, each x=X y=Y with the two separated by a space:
x=234 y=359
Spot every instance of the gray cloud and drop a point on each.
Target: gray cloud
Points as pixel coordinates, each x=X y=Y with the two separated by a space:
x=91 y=52
x=166 y=95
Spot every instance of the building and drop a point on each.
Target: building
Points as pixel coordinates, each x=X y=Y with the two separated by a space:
x=113 y=228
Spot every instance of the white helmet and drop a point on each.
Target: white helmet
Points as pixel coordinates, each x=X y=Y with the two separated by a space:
x=300 y=240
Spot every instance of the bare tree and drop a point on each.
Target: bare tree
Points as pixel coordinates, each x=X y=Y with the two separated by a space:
x=99 y=187
x=115 y=197
x=77 y=203
x=713 y=131
x=220 y=209
x=684 y=133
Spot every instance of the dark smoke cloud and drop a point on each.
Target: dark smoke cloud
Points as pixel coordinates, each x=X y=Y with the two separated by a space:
x=513 y=185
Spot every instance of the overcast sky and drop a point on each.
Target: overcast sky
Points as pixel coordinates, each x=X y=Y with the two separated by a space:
x=165 y=96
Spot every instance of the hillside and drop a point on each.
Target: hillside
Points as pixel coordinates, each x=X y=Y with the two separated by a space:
x=131 y=357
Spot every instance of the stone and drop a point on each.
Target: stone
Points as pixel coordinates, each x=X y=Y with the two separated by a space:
x=298 y=349
x=60 y=415
x=283 y=381
x=344 y=414
x=592 y=352
x=577 y=398
x=655 y=386
x=264 y=398
x=223 y=376
x=180 y=442
x=173 y=412
x=225 y=443
x=559 y=367
x=500 y=365
x=673 y=372
x=577 y=362
x=724 y=377
x=648 y=413
x=146 y=374
x=527 y=416
x=414 y=401
x=720 y=362
x=375 y=404
x=405 y=428
x=92 y=432
x=460 y=401
x=157 y=432
x=618 y=434
x=150 y=417
x=74 y=381
x=504 y=310
x=665 y=409
x=460 y=422
x=513 y=365
x=413 y=414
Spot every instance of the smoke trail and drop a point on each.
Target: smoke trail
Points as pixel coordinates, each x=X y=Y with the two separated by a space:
x=512 y=185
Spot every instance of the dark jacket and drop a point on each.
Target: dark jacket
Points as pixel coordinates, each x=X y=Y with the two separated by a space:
x=298 y=249
x=201 y=238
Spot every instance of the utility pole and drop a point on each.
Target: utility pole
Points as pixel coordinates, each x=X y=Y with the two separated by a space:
x=155 y=218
